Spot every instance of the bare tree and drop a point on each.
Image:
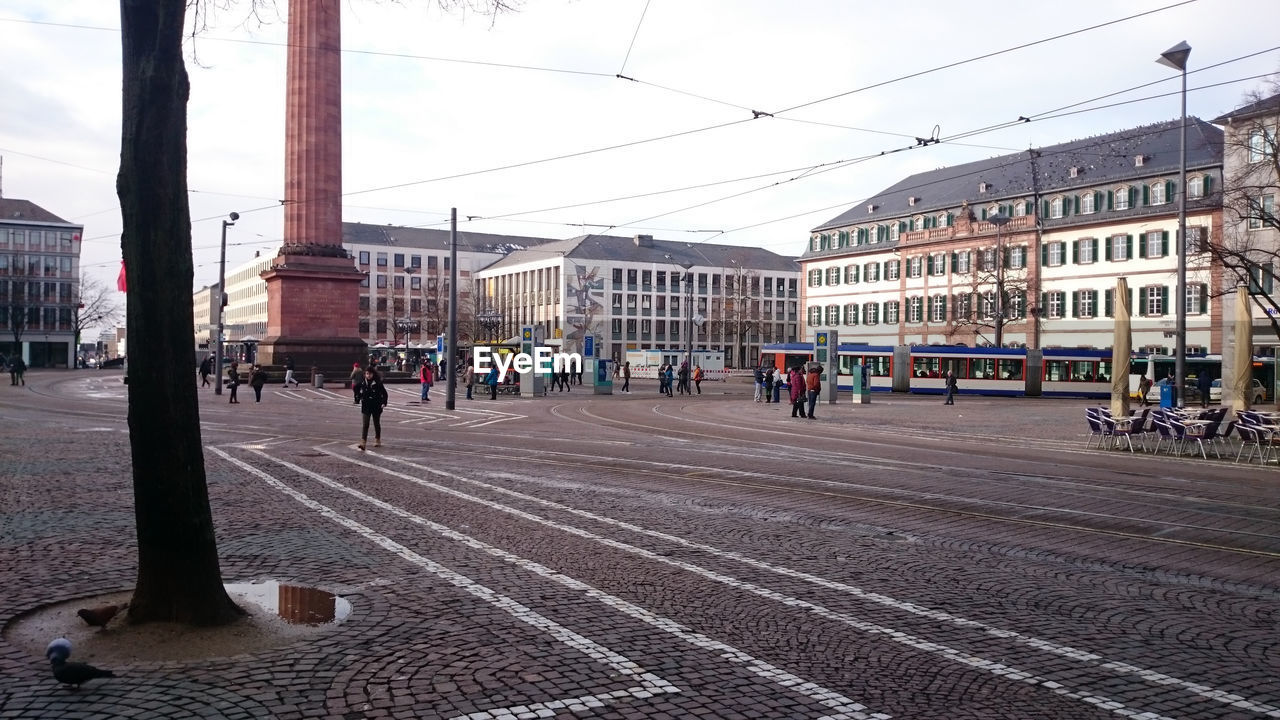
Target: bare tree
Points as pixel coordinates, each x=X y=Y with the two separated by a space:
x=15 y=309
x=1249 y=249
x=97 y=306
x=741 y=315
x=974 y=311
x=179 y=578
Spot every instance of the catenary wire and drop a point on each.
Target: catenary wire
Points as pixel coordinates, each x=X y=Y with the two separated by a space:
x=634 y=35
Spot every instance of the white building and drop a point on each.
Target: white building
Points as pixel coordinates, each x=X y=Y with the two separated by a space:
x=39 y=284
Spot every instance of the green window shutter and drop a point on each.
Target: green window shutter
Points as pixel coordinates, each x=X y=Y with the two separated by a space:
x=1164 y=300
x=944 y=306
x=1106 y=249
x=1044 y=256
x=1097 y=201
x=1208 y=184
x=1267 y=274
x=1109 y=300
x=1204 y=299
x=1075 y=205
x=1094 y=293
x=1133 y=197
x=1029 y=207
x=1142 y=246
x=1169 y=188
x=1075 y=252
x=1130 y=301
x=1095 y=250
x=1128 y=247
x=856 y=272
x=1044 y=304
x=1045 y=208
x=1146 y=195
x=953 y=260
x=1111 y=200
x=930 y=264
x=983 y=215
x=1075 y=303
x=1164 y=243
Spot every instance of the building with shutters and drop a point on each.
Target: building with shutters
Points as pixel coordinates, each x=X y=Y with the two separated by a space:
x=923 y=262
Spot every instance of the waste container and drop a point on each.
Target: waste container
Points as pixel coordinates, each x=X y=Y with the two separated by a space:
x=1168 y=399
x=317 y=379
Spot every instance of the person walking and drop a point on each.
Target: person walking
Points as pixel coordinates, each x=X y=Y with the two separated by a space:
x=796 y=382
x=951 y=388
x=564 y=378
x=468 y=377
x=683 y=380
x=670 y=376
x=813 y=385
x=206 y=369
x=758 y=376
x=233 y=377
x=426 y=376
x=1204 y=381
x=288 y=371
x=1144 y=387
x=697 y=378
x=768 y=385
x=492 y=381
x=18 y=371
x=626 y=377
x=373 y=397
x=257 y=378
x=356 y=376
x=13 y=370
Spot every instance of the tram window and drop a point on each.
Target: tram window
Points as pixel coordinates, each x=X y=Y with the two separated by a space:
x=1010 y=369
x=923 y=367
x=878 y=366
x=959 y=366
x=846 y=364
x=1056 y=370
x=1104 y=371
x=983 y=368
x=1083 y=371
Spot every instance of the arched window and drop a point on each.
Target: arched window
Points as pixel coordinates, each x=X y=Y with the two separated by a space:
x=1086 y=203
x=1055 y=208
x=917 y=222
x=1195 y=187
x=1121 y=198
x=1157 y=194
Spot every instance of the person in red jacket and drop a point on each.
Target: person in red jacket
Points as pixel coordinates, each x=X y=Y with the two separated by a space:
x=813 y=384
x=796 y=382
x=426 y=377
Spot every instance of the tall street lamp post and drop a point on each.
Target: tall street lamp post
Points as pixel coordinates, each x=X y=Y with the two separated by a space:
x=999 y=220
x=222 y=303
x=1176 y=58
x=688 y=283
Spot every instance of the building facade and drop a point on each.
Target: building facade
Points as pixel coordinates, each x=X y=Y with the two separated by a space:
x=644 y=294
x=1025 y=249
x=39 y=284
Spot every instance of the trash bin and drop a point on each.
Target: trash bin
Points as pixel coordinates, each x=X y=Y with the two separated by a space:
x=317 y=379
x=1167 y=397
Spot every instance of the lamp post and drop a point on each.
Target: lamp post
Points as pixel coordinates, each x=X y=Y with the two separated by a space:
x=489 y=320
x=688 y=283
x=1176 y=58
x=999 y=220
x=222 y=302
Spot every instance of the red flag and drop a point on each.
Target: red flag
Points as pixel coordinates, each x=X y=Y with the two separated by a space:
x=120 y=283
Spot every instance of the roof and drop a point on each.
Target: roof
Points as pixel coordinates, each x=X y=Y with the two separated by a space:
x=614 y=249
x=1102 y=159
x=1265 y=106
x=434 y=239
x=27 y=211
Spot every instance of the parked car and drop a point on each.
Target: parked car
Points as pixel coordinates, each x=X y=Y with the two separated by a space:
x=1257 y=393
x=1189 y=391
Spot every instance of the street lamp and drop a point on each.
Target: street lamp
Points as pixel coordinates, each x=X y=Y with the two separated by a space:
x=408 y=301
x=489 y=320
x=1176 y=58
x=688 y=283
x=999 y=220
x=222 y=302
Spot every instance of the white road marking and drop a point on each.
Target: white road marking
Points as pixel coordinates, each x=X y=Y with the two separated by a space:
x=844 y=707
x=1202 y=690
x=650 y=684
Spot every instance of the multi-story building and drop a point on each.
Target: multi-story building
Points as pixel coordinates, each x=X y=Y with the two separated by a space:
x=640 y=293
x=1029 y=247
x=39 y=284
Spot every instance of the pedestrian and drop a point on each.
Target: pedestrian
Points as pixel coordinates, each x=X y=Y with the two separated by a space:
x=257 y=378
x=373 y=397
x=13 y=370
x=616 y=368
x=288 y=371
x=768 y=385
x=492 y=381
x=697 y=378
x=813 y=385
x=796 y=382
x=1144 y=387
x=777 y=386
x=683 y=386
x=758 y=376
x=1204 y=381
x=426 y=376
x=356 y=376
x=233 y=381
x=662 y=379
x=468 y=377
x=626 y=377
x=564 y=378
x=577 y=376
x=951 y=388
x=206 y=369
x=670 y=376
x=19 y=370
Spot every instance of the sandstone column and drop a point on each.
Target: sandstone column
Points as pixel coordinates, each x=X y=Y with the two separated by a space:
x=313 y=286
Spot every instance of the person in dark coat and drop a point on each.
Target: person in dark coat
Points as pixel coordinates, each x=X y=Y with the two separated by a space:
x=951 y=388
x=373 y=397
x=1204 y=381
x=206 y=369
x=257 y=378
x=233 y=381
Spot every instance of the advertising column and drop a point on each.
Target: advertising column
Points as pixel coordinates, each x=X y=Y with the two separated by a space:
x=531 y=383
x=825 y=343
x=600 y=369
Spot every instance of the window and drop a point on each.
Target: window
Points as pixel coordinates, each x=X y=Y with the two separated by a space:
x=1055 y=302
x=850 y=274
x=1019 y=210
x=1155 y=300
x=833 y=276
x=851 y=314
x=938 y=308
x=1156 y=244
x=415 y=283
x=833 y=315
x=398 y=260
x=1086 y=204
x=938 y=264
x=617 y=301
x=415 y=261
x=646 y=326
x=631 y=326
x=646 y=279
x=893 y=231
x=1195 y=187
x=987 y=259
x=617 y=276
x=616 y=326
x=1119 y=247
x=915 y=267
x=432 y=262
x=1121 y=199
x=870 y=314
x=1086 y=300
x=1056 y=253
x=1157 y=194
x=891 y=312
x=399 y=282
x=1087 y=250
x=382 y=260
x=815 y=278
x=871 y=272
x=1055 y=208
x=364 y=257
x=1196 y=297
x=943 y=220
x=962 y=262
x=631 y=301
x=382 y=280
x=962 y=307
x=1260 y=209
x=1197 y=239
x=915 y=309
x=1257 y=145
x=891 y=269
x=815 y=315
x=646 y=302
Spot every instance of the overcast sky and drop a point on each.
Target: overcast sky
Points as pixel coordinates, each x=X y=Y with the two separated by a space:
x=429 y=95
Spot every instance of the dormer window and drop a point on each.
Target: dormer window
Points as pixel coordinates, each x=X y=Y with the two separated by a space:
x=1075 y=171
x=871 y=209
x=982 y=187
x=1139 y=160
x=912 y=200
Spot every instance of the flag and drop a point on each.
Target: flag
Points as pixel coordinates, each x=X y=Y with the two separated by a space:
x=120 y=283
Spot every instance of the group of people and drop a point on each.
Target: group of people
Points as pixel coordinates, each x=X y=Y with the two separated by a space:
x=17 y=368
x=669 y=376
x=257 y=377
x=803 y=388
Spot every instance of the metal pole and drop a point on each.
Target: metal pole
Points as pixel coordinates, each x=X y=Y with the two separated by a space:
x=453 y=307
x=1180 y=362
x=999 y=288
x=222 y=305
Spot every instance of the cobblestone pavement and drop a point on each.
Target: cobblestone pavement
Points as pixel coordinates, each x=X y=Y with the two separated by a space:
x=636 y=556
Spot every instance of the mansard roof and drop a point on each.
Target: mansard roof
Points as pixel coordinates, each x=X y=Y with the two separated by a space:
x=614 y=249
x=1265 y=106
x=12 y=210
x=394 y=236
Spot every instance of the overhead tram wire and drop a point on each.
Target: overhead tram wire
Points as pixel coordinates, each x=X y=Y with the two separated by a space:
x=634 y=35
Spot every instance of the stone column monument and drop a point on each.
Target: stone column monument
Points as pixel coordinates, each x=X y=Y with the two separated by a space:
x=313 y=285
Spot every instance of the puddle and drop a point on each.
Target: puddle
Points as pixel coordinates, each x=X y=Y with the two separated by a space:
x=295 y=604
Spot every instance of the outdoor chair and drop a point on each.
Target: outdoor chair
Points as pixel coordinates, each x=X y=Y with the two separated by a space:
x=1200 y=434
x=1096 y=428
x=1179 y=431
x=1120 y=429
x=1251 y=437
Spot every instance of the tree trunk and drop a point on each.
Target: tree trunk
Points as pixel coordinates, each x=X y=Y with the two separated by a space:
x=178 y=575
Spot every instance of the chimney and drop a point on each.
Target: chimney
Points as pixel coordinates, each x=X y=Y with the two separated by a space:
x=644 y=241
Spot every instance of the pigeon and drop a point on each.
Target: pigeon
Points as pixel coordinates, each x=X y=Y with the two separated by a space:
x=71 y=673
x=75 y=673
x=100 y=616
